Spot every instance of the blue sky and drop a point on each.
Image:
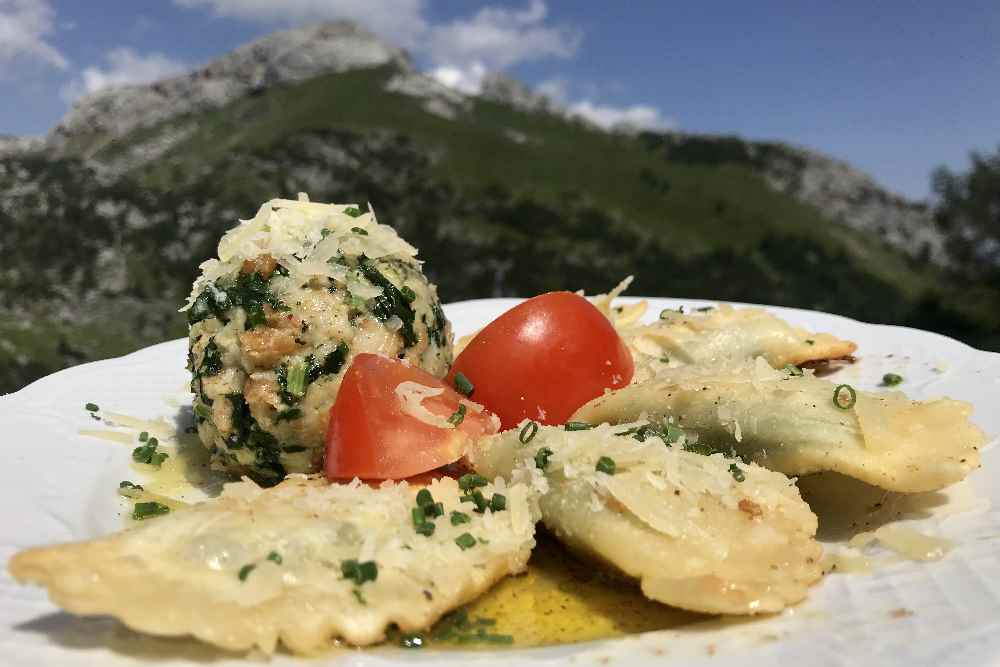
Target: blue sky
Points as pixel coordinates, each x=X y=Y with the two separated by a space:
x=895 y=88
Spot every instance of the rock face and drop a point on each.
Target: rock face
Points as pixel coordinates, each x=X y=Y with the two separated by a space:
x=841 y=192
x=11 y=145
x=282 y=58
x=498 y=87
x=852 y=197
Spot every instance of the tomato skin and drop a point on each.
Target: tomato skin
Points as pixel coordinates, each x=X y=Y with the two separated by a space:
x=543 y=359
x=369 y=436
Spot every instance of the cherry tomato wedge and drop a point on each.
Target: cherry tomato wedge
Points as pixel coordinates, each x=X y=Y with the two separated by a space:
x=373 y=433
x=543 y=359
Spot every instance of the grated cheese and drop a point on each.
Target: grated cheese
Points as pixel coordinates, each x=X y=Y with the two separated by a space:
x=303 y=237
x=411 y=397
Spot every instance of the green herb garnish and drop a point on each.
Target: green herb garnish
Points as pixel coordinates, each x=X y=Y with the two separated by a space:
x=92 y=407
x=390 y=302
x=424 y=497
x=528 y=432
x=577 y=426
x=605 y=464
x=465 y=541
x=458 y=518
x=851 y=400
x=359 y=573
x=891 y=379
x=793 y=370
x=353 y=211
x=143 y=511
x=359 y=596
x=147 y=453
x=408 y=293
x=498 y=502
x=246 y=570
x=542 y=457
x=471 y=481
x=736 y=472
x=426 y=528
x=458 y=416
x=275 y=558
x=360 y=231
x=144 y=436
x=462 y=385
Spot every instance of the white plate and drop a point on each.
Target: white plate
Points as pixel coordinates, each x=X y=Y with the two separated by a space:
x=57 y=485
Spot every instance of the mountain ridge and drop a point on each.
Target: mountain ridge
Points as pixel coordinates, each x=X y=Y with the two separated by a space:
x=504 y=193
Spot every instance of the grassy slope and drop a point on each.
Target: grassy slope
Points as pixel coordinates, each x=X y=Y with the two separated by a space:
x=704 y=208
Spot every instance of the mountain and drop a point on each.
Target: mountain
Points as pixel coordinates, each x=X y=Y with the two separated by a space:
x=107 y=217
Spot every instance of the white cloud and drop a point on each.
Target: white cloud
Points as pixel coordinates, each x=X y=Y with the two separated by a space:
x=400 y=21
x=468 y=79
x=556 y=90
x=500 y=38
x=640 y=116
x=124 y=67
x=25 y=26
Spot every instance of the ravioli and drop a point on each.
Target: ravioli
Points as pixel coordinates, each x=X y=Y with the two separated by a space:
x=725 y=335
x=790 y=424
x=704 y=533
x=289 y=564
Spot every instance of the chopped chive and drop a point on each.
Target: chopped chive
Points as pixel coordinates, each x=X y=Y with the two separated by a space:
x=542 y=457
x=705 y=309
x=434 y=510
x=792 y=370
x=891 y=379
x=471 y=481
x=359 y=596
x=577 y=426
x=408 y=294
x=360 y=231
x=476 y=498
x=852 y=397
x=144 y=436
x=295 y=383
x=498 y=502
x=129 y=485
x=424 y=497
x=357 y=572
x=92 y=407
x=245 y=571
x=426 y=528
x=458 y=518
x=737 y=474
x=528 y=432
x=465 y=541
x=143 y=511
x=664 y=360
x=809 y=341
x=275 y=558
x=605 y=464
x=462 y=385
x=353 y=211
x=418 y=516
x=458 y=416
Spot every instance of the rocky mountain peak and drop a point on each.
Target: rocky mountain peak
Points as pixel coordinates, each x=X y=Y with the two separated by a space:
x=281 y=58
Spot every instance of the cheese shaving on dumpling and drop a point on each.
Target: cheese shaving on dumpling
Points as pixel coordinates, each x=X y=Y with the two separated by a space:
x=306 y=238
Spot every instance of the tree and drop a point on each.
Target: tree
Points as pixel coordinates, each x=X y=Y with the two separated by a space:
x=967 y=210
